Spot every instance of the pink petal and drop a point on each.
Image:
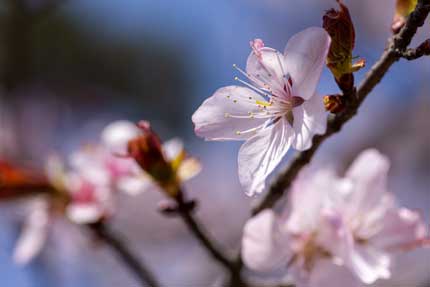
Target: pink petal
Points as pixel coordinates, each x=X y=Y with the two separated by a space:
x=305 y=55
x=326 y=273
x=264 y=247
x=368 y=176
x=310 y=195
x=401 y=229
x=309 y=119
x=260 y=155
x=214 y=118
x=267 y=68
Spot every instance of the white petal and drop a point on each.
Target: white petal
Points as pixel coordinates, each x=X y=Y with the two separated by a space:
x=84 y=213
x=305 y=55
x=189 y=168
x=172 y=148
x=34 y=234
x=260 y=155
x=369 y=263
x=264 y=247
x=309 y=119
x=268 y=69
x=116 y=135
x=214 y=118
x=134 y=185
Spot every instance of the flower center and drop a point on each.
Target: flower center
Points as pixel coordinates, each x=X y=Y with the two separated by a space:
x=277 y=91
x=308 y=253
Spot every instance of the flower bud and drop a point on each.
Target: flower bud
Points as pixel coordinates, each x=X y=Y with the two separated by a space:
x=147 y=151
x=339 y=26
x=403 y=9
x=334 y=103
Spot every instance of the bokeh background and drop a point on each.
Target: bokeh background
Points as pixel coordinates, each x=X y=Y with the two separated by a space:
x=68 y=67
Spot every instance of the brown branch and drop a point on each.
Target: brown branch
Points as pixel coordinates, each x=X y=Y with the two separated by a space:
x=117 y=244
x=397 y=43
x=185 y=212
x=412 y=54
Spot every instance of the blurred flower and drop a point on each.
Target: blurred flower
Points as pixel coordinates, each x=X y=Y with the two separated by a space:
x=82 y=188
x=336 y=231
x=278 y=109
x=403 y=9
x=339 y=26
x=166 y=164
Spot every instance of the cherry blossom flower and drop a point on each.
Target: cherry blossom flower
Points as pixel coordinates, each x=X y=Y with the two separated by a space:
x=277 y=109
x=336 y=231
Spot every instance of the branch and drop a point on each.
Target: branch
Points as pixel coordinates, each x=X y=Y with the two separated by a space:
x=197 y=229
x=117 y=244
x=412 y=54
x=397 y=43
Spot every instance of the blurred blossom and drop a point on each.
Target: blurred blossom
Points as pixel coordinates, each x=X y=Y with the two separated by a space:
x=83 y=188
x=337 y=231
x=279 y=108
x=167 y=165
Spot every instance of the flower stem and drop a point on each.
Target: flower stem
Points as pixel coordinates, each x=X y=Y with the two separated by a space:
x=119 y=246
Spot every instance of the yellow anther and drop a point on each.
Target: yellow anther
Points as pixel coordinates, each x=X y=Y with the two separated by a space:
x=263 y=103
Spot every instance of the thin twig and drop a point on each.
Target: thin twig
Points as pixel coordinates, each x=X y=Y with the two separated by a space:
x=117 y=244
x=412 y=54
x=397 y=43
x=200 y=233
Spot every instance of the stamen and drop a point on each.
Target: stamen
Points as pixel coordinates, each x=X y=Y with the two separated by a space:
x=240 y=70
x=257 y=82
x=252 y=87
x=248 y=131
